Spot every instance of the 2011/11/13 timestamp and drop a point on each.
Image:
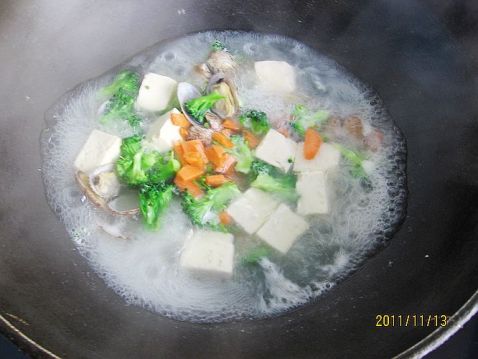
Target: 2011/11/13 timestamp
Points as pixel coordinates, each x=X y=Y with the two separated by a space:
x=411 y=320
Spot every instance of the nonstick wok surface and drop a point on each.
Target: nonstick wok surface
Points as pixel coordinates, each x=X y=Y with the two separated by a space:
x=418 y=56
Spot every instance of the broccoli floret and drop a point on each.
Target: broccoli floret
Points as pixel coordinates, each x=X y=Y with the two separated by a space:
x=164 y=168
x=256 y=121
x=270 y=179
x=153 y=201
x=204 y=211
x=283 y=186
x=259 y=166
x=304 y=119
x=242 y=154
x=255 y=255
x=197 y=107
x=136 y=167
x=355 y=159
x=218 y=46
x=122 y=92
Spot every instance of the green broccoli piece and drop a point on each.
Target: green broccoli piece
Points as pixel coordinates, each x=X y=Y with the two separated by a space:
x=204 y=211
x=122 y=92
x=242 y=154
x=304 y=119
x=197 y=107
x=282 y=186
x=256 y=121
x=255 y=255
x=259 y=166
x=153 y=201
x=355 y=159
x=137 y=167
x=164 y=168
x=218 y=46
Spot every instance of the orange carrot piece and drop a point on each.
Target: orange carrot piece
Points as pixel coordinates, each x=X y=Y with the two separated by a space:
x=216 y=180
x=180 y=120
x=178 y=150
x=189 y=173
x=227 y=166
x=191 y=186
x=312 y=143
x=215 y=155
x=194 y=159
x=225 y=218
x=184 y=133
x=251 y=139
x=230 y=124
x=222 y=139
x=195 y=146
x=227 y=132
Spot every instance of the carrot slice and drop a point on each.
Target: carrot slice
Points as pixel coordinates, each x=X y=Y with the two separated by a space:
x=184 y=133
x=215 y=155
x=252 y=141
x=216 y=180
x=227 y=166
x=225 y=218
x=311 y=143
x=227 y=132
x=222 y=139
x=191 y=186
x=178 y=150
x=189 y=173
x=230 y=124
x=194 y=159
x=180 y=120
x=195 y=146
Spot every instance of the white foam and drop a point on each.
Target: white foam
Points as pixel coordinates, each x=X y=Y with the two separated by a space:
x=144 y=268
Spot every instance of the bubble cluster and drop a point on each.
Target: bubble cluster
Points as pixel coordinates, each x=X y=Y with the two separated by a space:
x=144 y=268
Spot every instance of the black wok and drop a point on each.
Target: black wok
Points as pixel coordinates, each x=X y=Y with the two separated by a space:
x=417 y=56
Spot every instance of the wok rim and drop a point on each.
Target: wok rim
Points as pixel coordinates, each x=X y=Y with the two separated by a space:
x=425 y=346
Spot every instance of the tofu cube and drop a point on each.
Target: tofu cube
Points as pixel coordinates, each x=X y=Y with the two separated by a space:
x=276 y=76
x=156 y=92
x=282 y=229
x=312 y=189
x=277 y=150
x=328 y=158
x=163 y=134
x=252 y=209
x=100 y=149
x=209 y=253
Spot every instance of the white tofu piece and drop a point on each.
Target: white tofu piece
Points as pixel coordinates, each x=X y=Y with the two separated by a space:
x=100 y=149
x=276 y=76
x=163 y=134
x=277 y=150
x=156 y=92
x=314 y=197
x=252 y=209
x=209 y=253
x=328 y=158
x=282 y=229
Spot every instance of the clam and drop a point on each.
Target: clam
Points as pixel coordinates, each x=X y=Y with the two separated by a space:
x=221 y=61
x=187 y=92
x=226 y=87
x=105 y=192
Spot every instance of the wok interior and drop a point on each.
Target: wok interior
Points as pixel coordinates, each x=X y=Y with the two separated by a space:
x=401 y=50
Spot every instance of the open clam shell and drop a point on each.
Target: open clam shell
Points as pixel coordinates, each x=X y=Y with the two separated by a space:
x=123 y=204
